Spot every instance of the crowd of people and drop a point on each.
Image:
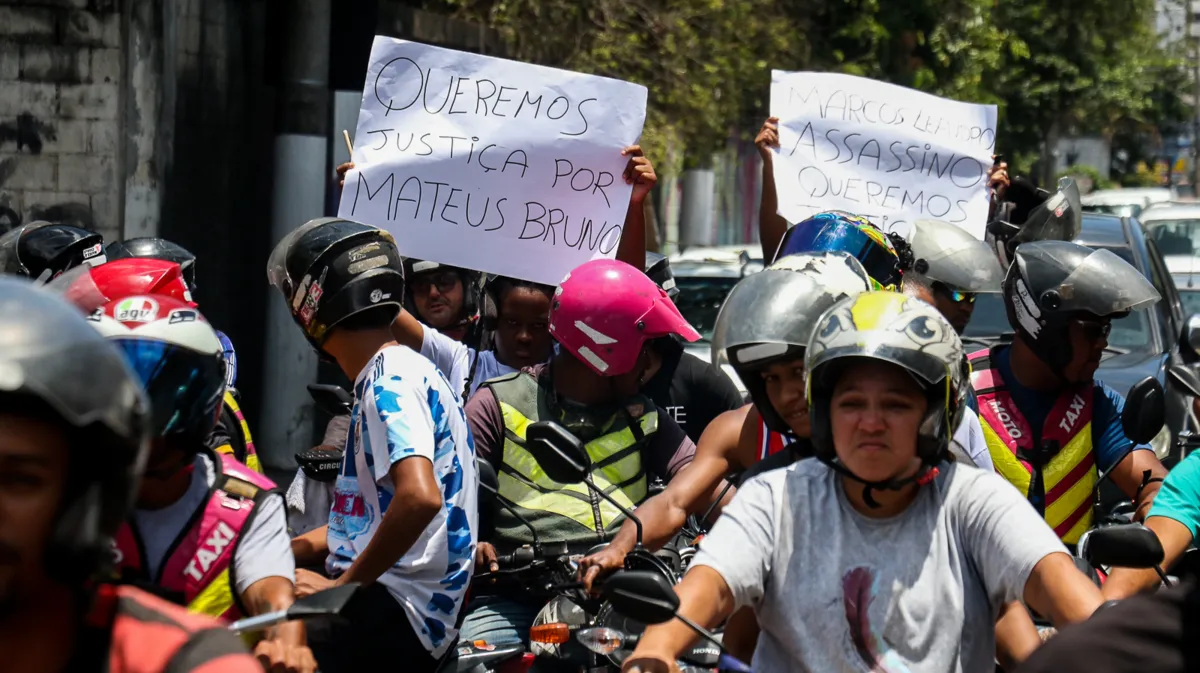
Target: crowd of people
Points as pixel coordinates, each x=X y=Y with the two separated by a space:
x=897 y=503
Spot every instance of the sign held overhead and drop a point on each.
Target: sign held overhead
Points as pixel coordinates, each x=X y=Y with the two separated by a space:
x=489 y=164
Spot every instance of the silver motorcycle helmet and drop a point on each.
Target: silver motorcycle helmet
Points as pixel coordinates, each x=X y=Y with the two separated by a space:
x=770 y=316
x=947 y=254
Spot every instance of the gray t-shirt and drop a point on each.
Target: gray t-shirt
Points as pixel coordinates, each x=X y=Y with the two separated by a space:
x=265 y=550
x=837 y=591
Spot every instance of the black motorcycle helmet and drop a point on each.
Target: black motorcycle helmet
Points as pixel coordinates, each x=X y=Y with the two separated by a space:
x=42 y=250
x=472 y=283
x=1031 y=214
x=156 y=248
x=53 y=363
x=658 y=267
x=1053 y=282
x=331 y=269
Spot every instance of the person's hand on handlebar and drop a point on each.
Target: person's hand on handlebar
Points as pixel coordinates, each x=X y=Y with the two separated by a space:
x=485 y=558
x=605 y=561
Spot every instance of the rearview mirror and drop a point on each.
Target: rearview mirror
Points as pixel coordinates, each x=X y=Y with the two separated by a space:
x=489 y=485
x=1130 y=545
x=642 y=595
x=1191 y=333
x=327 y=603
x=1145 y=411
x=1186 y=378
x=323 y=604
x=559 y=453
x=332 y=399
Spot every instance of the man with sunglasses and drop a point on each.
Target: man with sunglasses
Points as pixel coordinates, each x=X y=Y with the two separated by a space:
x=956 y=265
x=444 y=297
x=1051 y=429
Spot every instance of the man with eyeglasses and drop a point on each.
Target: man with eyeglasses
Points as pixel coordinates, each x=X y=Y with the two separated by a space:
x=1051 y=429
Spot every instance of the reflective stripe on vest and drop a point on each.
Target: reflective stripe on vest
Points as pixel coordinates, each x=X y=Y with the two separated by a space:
x=616 y=467
x=244 y=430
x=198 y=566
x=1069 y=477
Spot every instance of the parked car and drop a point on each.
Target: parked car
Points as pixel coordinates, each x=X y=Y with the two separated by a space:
x=1145 y=343
x=705 y=276
x=1124 y=202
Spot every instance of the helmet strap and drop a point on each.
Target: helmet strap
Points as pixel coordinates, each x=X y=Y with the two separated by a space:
x=922 y=478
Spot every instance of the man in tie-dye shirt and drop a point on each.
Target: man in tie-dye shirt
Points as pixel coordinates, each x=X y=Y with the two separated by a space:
x=404 y=516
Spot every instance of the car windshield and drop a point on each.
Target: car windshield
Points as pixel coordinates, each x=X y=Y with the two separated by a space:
x=700 y=299
x=1124 y=210
x=1131 y=333
x=1175 y=237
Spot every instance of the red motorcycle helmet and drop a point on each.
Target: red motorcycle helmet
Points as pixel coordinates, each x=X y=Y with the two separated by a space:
x=91 y=286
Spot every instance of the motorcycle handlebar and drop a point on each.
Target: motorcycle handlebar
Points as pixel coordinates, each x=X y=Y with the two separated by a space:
x=519 y=558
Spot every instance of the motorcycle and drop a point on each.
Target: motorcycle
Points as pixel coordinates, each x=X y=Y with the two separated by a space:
x=573 y=618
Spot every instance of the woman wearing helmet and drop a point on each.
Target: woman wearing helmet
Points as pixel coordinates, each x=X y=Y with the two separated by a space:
x=72 y=444
x=42 y=251
x=404 y=517
x=1061 y=299
x=232 y=432
x=881 y=554
x=183 y=509
x=603 y=315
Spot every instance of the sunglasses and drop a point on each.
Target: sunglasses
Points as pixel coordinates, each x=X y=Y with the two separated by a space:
x=444 y=281
x=955 y=295
x=1094 y=330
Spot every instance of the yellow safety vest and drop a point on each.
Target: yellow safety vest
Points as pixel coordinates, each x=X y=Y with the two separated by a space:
x=1066 y=494
x=566 y=512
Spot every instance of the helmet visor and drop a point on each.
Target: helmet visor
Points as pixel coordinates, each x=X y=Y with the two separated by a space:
x=48 y=350
x=956 y=258
x=866 y=244
x=184 y=386
x=1060 y=218
x=1102 y=285
x=277 y=271
x=773 y=311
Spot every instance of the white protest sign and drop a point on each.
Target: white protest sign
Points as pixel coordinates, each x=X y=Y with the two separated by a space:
x=489 y=164
x=891 y=154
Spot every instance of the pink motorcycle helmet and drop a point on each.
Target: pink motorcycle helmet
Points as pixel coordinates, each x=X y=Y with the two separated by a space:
x=605 y=311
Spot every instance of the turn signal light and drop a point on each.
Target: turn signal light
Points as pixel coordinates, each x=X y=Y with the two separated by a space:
x=551 y=634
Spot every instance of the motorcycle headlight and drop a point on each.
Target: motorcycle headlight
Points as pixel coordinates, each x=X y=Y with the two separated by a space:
x=1161 y=444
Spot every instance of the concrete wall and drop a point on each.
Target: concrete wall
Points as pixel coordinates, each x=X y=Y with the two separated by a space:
x=61 y=76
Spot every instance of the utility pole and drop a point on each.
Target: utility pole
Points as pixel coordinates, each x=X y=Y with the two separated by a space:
x=1193 y=29
x=301 y=181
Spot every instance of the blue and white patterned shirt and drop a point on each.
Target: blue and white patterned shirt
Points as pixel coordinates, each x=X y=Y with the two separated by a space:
x=404 y=408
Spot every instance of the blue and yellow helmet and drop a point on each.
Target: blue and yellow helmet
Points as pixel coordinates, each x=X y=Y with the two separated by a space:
x=836 y=230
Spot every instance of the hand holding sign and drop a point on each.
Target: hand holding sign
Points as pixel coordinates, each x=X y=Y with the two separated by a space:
x=487 y=164
x=879 y=150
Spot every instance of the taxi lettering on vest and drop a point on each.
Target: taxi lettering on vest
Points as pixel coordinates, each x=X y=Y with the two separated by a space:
x=211 y=550
x=1072 y=414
